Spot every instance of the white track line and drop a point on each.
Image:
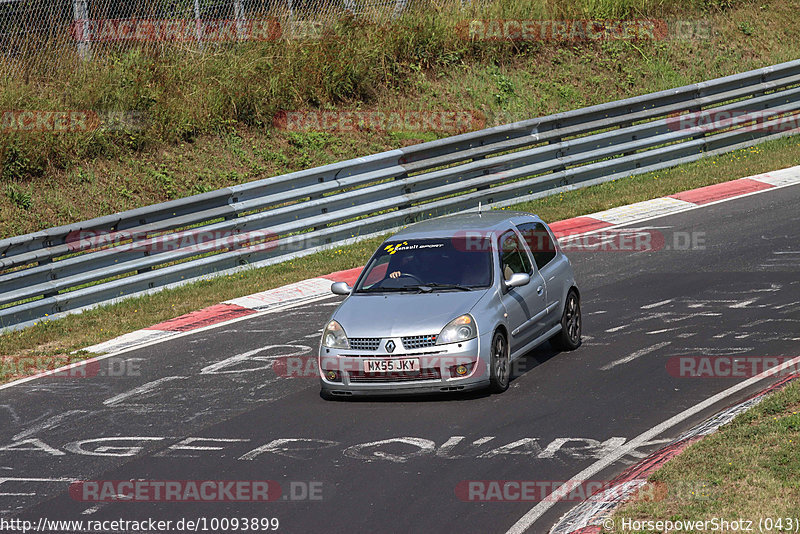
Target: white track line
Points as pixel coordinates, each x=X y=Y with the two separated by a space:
x=656 y=304
x=49 y=423
x=633 y=355
x=525 y=522
x=140 y=390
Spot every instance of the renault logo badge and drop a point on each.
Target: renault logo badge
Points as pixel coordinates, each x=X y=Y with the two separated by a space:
x=390 y=346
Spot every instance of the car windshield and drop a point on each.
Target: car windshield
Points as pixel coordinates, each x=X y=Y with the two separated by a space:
x=428 y=265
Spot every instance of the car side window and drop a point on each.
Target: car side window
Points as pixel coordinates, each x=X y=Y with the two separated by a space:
x=378 y=272
x=539 y=242
x=513 y=258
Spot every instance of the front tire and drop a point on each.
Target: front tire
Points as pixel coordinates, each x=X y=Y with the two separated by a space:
x=499 y=365
x=570 y=336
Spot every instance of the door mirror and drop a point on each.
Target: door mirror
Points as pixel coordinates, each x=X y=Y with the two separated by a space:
x=518 y=279
x=340 y=288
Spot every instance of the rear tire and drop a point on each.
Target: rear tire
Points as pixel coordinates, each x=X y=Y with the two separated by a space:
x=569 y=338
x=499 y=364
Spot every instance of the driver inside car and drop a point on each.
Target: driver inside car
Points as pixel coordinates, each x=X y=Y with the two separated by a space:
x=405 y=268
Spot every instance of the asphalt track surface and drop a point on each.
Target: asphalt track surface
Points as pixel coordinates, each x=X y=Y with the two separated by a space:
x=737 y=293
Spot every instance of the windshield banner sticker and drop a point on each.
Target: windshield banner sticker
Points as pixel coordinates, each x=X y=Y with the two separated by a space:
x=405 y=247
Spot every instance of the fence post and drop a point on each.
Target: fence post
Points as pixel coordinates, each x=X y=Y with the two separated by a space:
x=80 y=13
x=198 y=25
x=238 y=14
x=399 y=8
x=290 y=5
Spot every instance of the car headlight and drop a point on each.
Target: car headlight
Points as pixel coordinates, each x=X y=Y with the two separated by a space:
x=459 y=329
x=334 y=337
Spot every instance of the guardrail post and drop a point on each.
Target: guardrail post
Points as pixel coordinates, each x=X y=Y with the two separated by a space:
x=145 y=269
x=487 y=171
x=48 y=294
x=761 y=92
x=627 y=124
x=697 y=109
x=406 y=191
x=317 y=196
x=556 y=141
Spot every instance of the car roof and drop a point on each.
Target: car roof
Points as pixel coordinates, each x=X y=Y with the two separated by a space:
x=472 y=221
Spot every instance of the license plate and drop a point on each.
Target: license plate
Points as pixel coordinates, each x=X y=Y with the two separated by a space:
x=409 y=365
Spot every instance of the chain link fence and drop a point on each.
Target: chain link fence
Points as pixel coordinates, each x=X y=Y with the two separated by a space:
x=34 y=33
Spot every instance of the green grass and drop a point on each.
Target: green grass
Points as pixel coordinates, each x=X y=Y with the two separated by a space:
x=53 y=340
x=747 y=470
x=210 y=117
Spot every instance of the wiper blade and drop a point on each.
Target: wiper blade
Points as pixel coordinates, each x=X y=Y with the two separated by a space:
x=424 y=288
x=449 y=286
x=388 y=289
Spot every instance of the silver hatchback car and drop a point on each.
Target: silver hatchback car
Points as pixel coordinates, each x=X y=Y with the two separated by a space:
x=448 y=304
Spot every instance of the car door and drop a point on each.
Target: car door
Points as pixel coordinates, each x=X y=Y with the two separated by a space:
x=525 y=304
x=551 y=265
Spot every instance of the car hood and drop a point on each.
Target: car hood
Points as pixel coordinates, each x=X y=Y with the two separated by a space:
x=403 y=314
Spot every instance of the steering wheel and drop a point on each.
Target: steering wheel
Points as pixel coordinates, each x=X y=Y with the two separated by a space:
x=415 y=277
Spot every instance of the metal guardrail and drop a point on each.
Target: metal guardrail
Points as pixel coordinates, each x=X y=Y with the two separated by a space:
x=69 y=268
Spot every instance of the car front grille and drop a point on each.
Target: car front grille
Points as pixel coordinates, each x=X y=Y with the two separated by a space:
x=365 y=343
x=395 y=356
x=418 y=342
x=431 y=373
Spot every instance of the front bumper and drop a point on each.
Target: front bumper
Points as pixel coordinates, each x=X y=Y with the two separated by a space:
x=434 y=376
